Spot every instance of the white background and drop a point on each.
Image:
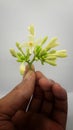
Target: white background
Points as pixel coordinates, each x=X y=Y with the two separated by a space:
x=50 y=17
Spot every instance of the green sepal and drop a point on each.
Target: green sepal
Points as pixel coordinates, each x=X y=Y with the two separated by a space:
x=19 y=54
x=43 y=52
x=37 y=50
x=19 y=60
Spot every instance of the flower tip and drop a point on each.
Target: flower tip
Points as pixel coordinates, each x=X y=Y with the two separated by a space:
x=12 y=51
x=22 y=69
x=17 y=44
x=31 y=29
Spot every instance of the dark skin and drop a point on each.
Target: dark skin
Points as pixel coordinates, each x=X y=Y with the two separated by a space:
x=47 y=109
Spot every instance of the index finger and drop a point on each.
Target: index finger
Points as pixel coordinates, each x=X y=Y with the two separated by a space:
x=44 y=82
x=18 y=97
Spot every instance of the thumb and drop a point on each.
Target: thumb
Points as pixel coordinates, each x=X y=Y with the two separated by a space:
x=18 y=96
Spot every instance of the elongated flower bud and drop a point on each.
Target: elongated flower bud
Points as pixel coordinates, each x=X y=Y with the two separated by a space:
x=18 y=45
x=53 y=43
x=31 y=29
x=51 y=57
x=61 y=53
x=13 y=53
x=44 y=40
x=51 y=62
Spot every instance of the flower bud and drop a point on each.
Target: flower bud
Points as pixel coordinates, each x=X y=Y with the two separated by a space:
x=13 y=53
x=22 y=68
x=51 y=62
x=18 y=45
x=53 y=43
x=31 y=29
x=61 y=53
x=44 y=40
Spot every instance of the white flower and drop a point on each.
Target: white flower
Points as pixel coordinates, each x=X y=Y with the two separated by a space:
x=30 y=44
x=22 y=68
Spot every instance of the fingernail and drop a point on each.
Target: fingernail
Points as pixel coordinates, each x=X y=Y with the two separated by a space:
x=29 y=75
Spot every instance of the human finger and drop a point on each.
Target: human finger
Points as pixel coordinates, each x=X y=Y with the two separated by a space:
x=27 y=68
x=36 y=101
x=59 y=113
x=42 y=85
x=13 y=101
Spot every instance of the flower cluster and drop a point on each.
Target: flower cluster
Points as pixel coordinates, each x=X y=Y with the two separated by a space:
x=33 y=50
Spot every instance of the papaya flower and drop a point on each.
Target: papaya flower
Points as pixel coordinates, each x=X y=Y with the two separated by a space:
x=33 y=50
x=32 y=42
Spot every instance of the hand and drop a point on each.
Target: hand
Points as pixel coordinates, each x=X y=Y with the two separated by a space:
x=46 y=111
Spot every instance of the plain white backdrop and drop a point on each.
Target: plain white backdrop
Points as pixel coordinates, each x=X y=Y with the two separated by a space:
x=50 y=17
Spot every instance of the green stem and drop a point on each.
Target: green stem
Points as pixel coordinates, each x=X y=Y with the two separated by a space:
x=30 y=62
